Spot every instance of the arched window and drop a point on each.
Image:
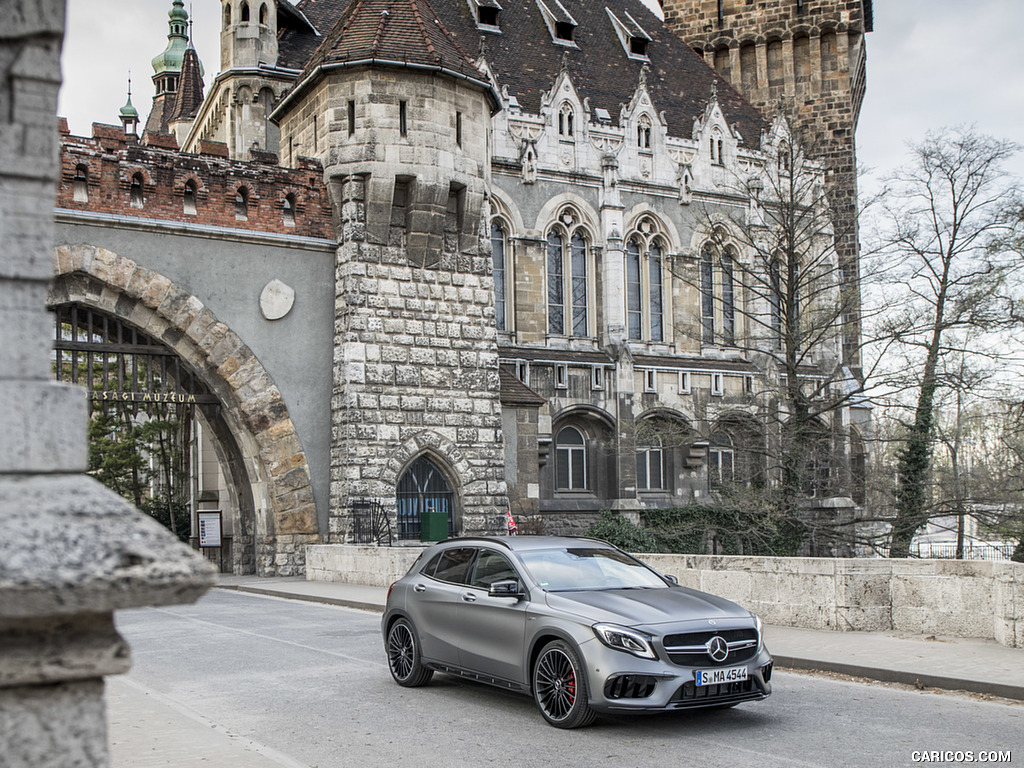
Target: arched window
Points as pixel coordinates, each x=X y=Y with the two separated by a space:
x=568 y=278
x=189 y=198
x=499 y=263
x=643 y=132
x=263 y=14
x=135 y=191
x=723 y=62
x=227 y=15
x=566 y=118
x=718 y=294
x=423 y=492
x=289 y=210
x=80 y=189
x=716 y=147
x=242 y=204
x=707 y=295
x=245 y=12
x=644 y=283
x=570 y=460
x=728 y=300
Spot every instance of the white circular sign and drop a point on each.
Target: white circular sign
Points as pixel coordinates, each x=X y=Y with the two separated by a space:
x=276 y=300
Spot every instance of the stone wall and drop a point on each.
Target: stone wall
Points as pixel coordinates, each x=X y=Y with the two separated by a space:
x=928 y=597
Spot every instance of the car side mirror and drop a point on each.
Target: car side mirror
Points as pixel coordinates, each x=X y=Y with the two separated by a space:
x=509 y=588
x=671 y=579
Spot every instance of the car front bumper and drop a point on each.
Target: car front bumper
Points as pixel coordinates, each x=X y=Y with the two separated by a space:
x=619 y=682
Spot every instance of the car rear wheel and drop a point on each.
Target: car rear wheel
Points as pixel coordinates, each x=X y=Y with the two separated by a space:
x=404 y=656
x=560 y=687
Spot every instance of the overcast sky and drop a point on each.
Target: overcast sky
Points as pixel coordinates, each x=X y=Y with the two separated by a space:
x=931 y=63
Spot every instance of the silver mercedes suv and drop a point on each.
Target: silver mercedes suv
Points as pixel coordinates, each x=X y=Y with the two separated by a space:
x=577 y=623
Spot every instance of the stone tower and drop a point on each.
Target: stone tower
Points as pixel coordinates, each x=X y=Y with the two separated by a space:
x=248 y=35
x=399 y=116
x=807 y=56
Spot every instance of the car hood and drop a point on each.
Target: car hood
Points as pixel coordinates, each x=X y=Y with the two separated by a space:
x=645 y=607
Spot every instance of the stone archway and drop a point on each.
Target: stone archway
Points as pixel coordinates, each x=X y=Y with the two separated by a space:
x=272 y=461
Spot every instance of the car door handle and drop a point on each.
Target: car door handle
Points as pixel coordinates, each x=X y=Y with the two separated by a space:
x=420 y=588
x=468 y=597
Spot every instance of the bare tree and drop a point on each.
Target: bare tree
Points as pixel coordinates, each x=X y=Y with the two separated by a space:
x=789 y=306
x=944 y=211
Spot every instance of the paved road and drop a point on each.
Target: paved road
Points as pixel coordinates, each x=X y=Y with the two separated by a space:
x=306 y=684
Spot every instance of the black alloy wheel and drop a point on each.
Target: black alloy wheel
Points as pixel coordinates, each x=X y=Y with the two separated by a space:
x=560 y=687
x=404 y=656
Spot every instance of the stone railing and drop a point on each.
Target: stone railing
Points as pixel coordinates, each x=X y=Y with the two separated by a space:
x=930 y=597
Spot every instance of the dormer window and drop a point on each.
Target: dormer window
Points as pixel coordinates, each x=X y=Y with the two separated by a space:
x=559 y=21
x=486 y=14
x=643 y=132
x=631 y=35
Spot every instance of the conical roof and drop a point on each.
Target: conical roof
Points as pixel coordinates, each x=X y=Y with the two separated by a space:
x=189 y=97
x=392 y=31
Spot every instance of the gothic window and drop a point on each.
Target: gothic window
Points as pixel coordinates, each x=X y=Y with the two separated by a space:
x=728 y=301
x=568 y=278
x=227 y=15
x=566 y=117
x=135 y=191
x=80 y=189
x=707 y=295
x=785 y=158
x=499 y=252
x=189 y=198
x=716 y=147
x=570 y=460
x=289 y=210
x=775 y=301
x=242 y=204
x=718 y=294
x=263 y=14
x=644 y=284
x=245 y=13
x=643 y=132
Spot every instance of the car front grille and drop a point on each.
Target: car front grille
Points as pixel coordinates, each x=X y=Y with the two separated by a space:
x=690 y=695
x=689 y=649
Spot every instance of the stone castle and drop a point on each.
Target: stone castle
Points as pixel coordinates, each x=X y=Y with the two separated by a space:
x=468 y=258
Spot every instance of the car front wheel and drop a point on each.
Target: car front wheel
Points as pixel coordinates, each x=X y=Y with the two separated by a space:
x=404 y=656
x=560 y=687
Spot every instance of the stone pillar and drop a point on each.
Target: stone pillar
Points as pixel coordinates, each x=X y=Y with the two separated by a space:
x=71 y=551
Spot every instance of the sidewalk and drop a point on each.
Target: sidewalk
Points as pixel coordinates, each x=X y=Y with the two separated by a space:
x=149 y=730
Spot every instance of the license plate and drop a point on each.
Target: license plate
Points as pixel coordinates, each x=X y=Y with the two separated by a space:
x=719 y=676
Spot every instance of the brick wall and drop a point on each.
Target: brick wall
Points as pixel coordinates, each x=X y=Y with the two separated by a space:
x=110 y=161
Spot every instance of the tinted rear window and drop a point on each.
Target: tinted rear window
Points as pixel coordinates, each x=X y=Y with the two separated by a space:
x=452 y=565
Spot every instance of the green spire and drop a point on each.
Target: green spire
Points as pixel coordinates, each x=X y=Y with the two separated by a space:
x=177 y=40
x=129 y=110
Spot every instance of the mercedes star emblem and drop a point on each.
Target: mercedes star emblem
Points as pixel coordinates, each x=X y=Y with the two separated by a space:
x=718 y=649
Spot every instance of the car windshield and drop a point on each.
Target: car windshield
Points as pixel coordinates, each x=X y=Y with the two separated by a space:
x=580 y=568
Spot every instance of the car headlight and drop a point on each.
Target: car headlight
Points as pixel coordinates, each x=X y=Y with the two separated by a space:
x=760 y=635
x=625 y=639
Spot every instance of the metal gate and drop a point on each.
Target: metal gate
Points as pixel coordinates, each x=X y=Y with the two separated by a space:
x=423 y=489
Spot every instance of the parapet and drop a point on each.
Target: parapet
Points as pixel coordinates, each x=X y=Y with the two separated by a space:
x=115 y=174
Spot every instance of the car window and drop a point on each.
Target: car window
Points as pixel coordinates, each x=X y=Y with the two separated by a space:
x=588 y=568
x=490 y=567
x=452 y=565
